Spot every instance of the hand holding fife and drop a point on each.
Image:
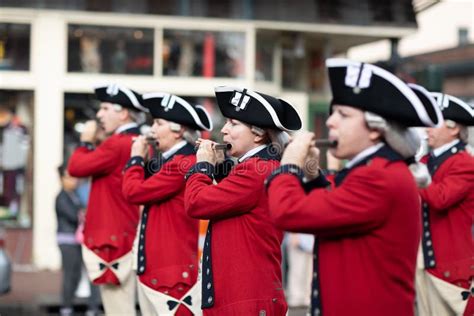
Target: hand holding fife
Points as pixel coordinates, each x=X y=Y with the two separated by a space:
x=311 y=164
x=206 y=151
x=89 y=133
x=139 y=146
x=421 y=174
x=298 y=149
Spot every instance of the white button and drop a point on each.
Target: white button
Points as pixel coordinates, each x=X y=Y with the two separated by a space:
x=315 y=293
x=317 y=311
x=209 y=285
x=142 y=269
x=185 y=274
x=315 y=275
x=209 y=300
x=427 y=234
x=208 y=271
x=428 y=243
x=430 y=252
x=432 y=262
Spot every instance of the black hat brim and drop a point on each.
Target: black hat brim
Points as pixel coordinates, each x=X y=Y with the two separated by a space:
x=122 y=96
x=175 y=109
x=383 y=93
x=261 y=110
x=455 y=109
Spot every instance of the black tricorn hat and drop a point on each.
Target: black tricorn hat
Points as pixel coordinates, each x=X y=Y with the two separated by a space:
x=429 y=102
x=455 y=109
x=257 y=109
x=371 y=88
x=175 y=109
x=122 y=96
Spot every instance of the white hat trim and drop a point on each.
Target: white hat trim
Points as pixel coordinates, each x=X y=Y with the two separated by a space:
x=127 y=92
x=433 y=101
x=461 y=103
x=211 y=126
x=184 y=103
x=261 y=99
x=400 y=85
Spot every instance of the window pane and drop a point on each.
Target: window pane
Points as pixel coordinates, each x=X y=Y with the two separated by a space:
x=113 y=50
x=16 y=157
x=264 y=57
x=204 y=54
x=14 y=46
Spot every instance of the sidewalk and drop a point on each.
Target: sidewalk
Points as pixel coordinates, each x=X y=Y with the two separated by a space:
x=35 y=293
x=38 y=293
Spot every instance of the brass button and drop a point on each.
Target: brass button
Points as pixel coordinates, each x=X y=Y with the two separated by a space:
x=113 y=237
x=446 y=274
x=185 y=274
x=154 y=281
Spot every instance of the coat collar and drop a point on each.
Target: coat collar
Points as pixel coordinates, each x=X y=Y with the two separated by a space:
x=269 y=152
x=385 y=152
x=435 y=162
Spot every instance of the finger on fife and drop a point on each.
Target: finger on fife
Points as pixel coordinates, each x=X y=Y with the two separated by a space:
x=216 y=146
x=323 y=142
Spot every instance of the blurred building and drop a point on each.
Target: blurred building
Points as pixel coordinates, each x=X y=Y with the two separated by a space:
x=439 y=55
x=53 y=52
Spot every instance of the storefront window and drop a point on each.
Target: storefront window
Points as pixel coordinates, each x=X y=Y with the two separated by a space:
x=107 y=49
x=204 y=54
x=264 y=58
x=16 y=157
x=78 y=108
x=14 y=46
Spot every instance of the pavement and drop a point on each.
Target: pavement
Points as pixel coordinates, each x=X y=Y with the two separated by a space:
x=36 y=292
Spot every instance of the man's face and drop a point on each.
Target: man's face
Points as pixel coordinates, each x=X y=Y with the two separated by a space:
x=437 y=137
x=348 y=127
x=109 y=118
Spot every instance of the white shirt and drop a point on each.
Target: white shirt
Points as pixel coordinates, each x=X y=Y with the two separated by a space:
x=125 y=126
x=252 y=152
x=440 y=150
x=365 y=153
x=170 y=152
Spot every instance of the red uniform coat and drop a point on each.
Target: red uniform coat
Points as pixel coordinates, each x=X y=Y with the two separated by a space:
x=245 y=246
x=111 y=221
x=171 y=248
x=368 y=230
x=450 y=199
